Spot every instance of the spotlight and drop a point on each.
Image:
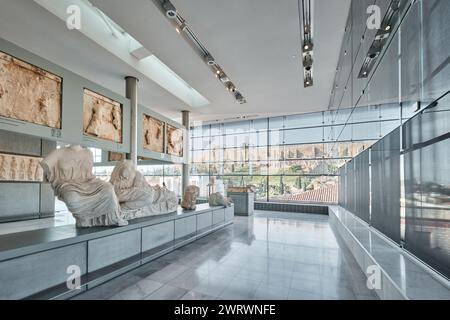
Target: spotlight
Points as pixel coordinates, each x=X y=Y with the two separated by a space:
x=170 y=10
x=209 y=60
x=307 y=46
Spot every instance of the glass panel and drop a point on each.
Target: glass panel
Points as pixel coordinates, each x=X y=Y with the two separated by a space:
x=217 y=142
x=275 y=137
x=217 y=155
x=236 y=154
x=306 y=151
x=303 y=120
x=200 y=156
x=385 y=158
x=309 y=135
x=259 y=153
x=199 y=169
x=216 y=129
x=260 y=124
x=276 y=123
x=237 y=127
x=304 y=167
x=237 y=141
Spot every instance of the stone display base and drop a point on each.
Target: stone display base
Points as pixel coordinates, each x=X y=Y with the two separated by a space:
x=401 y=275
x=37 y=264
x=244 y=202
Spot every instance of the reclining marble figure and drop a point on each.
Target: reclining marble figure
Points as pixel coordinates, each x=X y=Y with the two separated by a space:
x=217 y=199
x=91 y=201
x=136 y=197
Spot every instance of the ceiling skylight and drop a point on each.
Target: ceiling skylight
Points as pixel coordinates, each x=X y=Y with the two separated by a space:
x=105 y=32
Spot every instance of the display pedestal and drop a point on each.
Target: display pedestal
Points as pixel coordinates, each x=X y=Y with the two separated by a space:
x=244 y=203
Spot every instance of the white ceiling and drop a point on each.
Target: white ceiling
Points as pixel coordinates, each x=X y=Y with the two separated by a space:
x=253 y=40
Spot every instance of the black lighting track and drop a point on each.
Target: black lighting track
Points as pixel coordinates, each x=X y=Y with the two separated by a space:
x=306 y=29
x=387 y=28
x=181 y=26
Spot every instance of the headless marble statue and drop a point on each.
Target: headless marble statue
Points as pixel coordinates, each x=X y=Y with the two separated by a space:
x=92 y=201
x=136 y=197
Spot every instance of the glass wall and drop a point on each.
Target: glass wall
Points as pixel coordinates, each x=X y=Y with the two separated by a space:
x=409 y=169
x=290 y=158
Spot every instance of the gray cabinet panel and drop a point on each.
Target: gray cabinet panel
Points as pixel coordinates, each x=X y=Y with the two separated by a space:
x=185 y=226
x=108 y=250
x=229 y=214
x=27 y=275
x=157 y=235
x=204 y=220
x=19 y=200
x=218 y=216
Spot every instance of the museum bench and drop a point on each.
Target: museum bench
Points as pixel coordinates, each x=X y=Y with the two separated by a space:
x=37 y=264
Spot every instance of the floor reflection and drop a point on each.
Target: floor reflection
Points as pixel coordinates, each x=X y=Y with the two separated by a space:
x=272 y=255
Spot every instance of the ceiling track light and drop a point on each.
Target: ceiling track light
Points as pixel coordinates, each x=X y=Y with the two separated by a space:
x=390 y=20
x=181 y=26
x=306 y=30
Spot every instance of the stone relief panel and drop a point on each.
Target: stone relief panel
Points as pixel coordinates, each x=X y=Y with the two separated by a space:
x=102 y=117
x=29 y=93
x=153 y=134
x=20 y=168
x=174 y=141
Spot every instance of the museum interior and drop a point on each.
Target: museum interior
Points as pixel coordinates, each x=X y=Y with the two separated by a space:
x=233 y=150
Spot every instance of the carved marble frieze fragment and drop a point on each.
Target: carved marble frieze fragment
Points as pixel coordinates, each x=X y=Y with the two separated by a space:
x=153 y=134
x=174 y=141
x=28 y=93
x=102 y=117
x=20 y=168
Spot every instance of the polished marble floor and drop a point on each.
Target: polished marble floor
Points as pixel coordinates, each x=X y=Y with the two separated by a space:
x=272 y=255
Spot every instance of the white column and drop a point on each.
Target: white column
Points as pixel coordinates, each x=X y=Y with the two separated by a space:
x=185 y=170
x=131 y=93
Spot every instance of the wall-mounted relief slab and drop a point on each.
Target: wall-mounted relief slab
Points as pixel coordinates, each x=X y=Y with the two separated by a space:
x=29 y=93
x=153 y=134
x=20 y=168
x=102 y=117
x=174 y=141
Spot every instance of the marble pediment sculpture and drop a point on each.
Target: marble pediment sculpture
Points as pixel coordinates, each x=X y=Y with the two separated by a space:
x=217 y=199
x=91 y=201
x=191 y=194
x=136 y=197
